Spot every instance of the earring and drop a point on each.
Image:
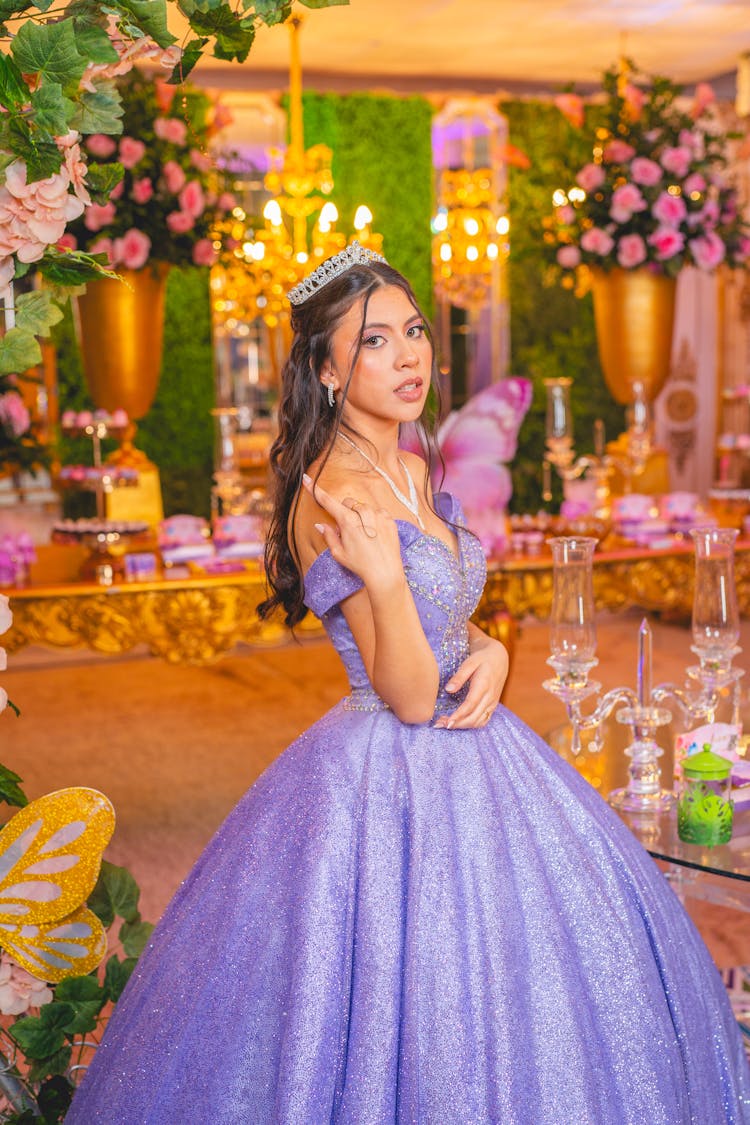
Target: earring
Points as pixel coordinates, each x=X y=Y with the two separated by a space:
x=331 y=396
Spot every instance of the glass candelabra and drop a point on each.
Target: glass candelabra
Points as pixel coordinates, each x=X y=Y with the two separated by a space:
x=561 y=455
x=715 y=631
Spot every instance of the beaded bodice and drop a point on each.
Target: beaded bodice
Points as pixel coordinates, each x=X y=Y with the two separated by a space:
x=446 y=590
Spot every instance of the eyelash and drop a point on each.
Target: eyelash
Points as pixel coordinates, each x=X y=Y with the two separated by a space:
x=419 y=328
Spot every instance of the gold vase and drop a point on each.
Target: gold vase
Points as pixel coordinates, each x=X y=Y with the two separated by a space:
x=121 y=332
x=634 y=314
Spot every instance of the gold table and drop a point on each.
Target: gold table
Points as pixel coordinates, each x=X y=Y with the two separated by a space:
x=196 y=620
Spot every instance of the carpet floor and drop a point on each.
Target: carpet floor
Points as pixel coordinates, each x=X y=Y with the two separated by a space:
x=175 y=747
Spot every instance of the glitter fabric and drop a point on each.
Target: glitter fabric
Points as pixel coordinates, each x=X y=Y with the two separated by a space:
x=403 y=924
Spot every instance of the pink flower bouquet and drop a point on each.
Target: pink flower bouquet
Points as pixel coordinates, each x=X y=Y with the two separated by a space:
x=655 y=192
x=167 y=206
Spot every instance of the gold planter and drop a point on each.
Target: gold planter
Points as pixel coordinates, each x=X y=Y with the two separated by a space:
x=634 y=314
x=121 y=331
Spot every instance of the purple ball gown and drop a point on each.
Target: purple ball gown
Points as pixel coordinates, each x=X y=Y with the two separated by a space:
x=407 y=924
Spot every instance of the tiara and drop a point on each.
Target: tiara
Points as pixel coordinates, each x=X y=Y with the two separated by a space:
x=353 y=255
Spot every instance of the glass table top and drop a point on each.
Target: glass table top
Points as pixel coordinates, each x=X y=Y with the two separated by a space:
x=607 y=769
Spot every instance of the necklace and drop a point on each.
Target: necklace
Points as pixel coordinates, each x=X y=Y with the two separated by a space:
x=411 y=503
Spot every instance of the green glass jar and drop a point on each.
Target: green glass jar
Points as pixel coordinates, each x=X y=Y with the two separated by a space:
x=704 y=805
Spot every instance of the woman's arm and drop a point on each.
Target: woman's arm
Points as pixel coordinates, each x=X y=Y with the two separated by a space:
x=382 y=617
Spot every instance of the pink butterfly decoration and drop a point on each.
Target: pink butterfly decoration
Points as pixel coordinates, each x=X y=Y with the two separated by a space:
x=476 y=442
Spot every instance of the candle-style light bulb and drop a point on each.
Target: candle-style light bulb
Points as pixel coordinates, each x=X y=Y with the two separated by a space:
x=643 y=678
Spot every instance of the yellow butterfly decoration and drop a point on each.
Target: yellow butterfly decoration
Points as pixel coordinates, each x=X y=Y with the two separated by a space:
x=50 y=855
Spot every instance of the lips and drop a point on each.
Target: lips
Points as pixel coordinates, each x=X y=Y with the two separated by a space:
x=410 y=390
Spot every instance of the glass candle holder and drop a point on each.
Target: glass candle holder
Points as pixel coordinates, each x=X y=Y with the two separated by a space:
x=704 y=806
x=715 y=622
x=572 y=626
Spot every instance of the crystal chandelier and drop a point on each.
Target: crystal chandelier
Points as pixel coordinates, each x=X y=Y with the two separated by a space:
x=299 y=225
x=471 y=227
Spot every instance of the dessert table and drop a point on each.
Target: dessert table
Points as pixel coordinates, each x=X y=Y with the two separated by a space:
x=196 y=618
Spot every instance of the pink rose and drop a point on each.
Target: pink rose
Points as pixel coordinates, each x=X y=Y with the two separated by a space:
x=104 y=246
x=34 y=215
x=571 y=107
x=67 y=242
x=742 y=250
x=645 y=171
x=170 y=129
x=704 y=97
x=708 y=251
x=174 y=177
x=191 y=199
x=625 y=201
x=565 y=214
x=597 y=241
x=631 y=251
x=133 y=249
x=19 y=990
x=226 y=201
x=677 y=161
x=100 y=145
x=569 y=257
x=204 y=253
x=179 y=222
x=669 y=210
x=131 y=152
x=590 y=177
x=667 y=242
x=618 y=152
x=75 y=165
x=98 y=215
x=694 y=183
x=142 y=190
x=635 y=100
x=14 y=416
x=201 y=160
x=117 y=190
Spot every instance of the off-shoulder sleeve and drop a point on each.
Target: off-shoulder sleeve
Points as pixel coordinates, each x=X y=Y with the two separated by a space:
x=327 y=583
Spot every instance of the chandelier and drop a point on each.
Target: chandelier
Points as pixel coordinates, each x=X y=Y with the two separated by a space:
x=471 y=227
x=299 y=225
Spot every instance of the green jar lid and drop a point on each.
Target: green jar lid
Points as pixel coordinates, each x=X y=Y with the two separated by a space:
x=706 y=765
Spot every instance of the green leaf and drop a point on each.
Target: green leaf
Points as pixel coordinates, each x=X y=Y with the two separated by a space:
x=100 y=112
x=13 y=89
x=134 y=937
x=271 y=12
x=86 y=997
x=234 y=36
x=151 y=17
x=65 y=270
x=18 y=350
x=42 y=159
x=93 y=42
x=102 y=178
x=48 y=49
x=54 y=1098
x=56 y=1063
x=36 y=312
x=43 y=1035
x=324 y=3
x=116 y=975
x=50 y=110
x=11 y=8
x=10 y=791
x=190 y=57
x=116 y=894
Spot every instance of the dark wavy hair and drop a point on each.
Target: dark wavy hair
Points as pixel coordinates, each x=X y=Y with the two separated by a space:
x=308 y=425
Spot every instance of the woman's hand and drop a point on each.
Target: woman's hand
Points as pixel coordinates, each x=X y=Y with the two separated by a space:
x=485 y=670
x=364 y=539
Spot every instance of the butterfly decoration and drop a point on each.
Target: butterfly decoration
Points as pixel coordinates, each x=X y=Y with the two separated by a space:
x=476 y=443
x=50 y=855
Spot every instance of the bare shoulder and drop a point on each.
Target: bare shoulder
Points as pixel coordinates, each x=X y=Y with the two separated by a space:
x=308 y=541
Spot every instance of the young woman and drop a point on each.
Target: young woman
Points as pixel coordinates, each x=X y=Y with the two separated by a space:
x=418 y=913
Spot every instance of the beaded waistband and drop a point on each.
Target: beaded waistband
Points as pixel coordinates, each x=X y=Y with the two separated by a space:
x=366 y=699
